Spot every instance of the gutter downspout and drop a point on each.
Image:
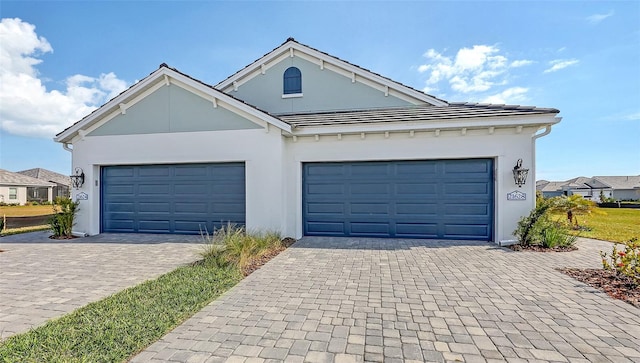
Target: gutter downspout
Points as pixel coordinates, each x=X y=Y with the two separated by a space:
x=65 y=145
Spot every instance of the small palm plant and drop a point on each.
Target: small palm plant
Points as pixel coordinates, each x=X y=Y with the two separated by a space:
x=573 y=205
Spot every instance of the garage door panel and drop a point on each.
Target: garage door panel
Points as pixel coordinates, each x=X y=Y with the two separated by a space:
x=153 y=172
x=467 y=167
x=460 y=189
x=412 y=168
x=413 y=189
x=370 y=170
x=369 y=188
x=369 y=209
x=320 y=208
x=331 y=189
x=172 y=198
x=465 y=231
x=369 y=228
x=153 y=190
x=326 y=228
x=418 y=199
x=467 y=210
x=416 y=209
x=419 y=230
x=153 y=207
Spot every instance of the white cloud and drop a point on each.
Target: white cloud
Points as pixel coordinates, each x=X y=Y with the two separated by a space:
x=559 y=64
x=597 y=18
x=632 y=117
x=513 y=95
x=521 y=63
x=476 y=69
x=28 y=108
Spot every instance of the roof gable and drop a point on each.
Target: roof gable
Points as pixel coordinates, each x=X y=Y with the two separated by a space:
x=172 y=109
x=292 y=49
x=164 y=77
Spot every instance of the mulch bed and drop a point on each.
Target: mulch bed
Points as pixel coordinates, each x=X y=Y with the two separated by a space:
x=259 y=261
x=61 y=237
x=618 y=287
x=541 y=249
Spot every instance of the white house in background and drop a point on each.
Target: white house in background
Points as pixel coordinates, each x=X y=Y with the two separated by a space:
x=616 y=187
x=61 y=188
x=304 y=143
x=13 y=187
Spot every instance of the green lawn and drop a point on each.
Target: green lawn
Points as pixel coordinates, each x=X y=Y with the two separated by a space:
x=610 y=224
x=25 y=210
x=121 y=325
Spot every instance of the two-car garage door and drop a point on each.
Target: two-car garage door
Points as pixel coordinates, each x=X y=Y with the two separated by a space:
x=182 y=198
x=448 y=199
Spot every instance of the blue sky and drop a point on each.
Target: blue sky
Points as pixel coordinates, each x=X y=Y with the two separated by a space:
x=60 y=60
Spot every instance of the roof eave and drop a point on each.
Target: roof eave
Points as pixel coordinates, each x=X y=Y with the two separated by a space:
x=427 y=125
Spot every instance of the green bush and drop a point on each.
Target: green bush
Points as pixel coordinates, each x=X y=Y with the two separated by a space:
x=555 y=234
x=61 y=223
x=624 y=262
x=233 y=245
x=530 y=228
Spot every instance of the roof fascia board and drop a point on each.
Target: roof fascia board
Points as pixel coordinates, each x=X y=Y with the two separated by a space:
x=301 y=50
x=476 y=123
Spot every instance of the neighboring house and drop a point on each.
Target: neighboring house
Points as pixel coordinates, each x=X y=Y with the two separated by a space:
x=62 y=182
x=307 y=144
x=14 y=186
x=616 y=187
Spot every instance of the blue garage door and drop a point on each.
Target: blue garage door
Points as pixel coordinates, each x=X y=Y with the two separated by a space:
x=182 y=199
x=447 y=199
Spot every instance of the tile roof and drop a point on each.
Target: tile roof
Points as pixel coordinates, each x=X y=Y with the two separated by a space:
x=47 y=175
x=596 y=182
x=620 y=182
x=408 y=114
x=15 y=179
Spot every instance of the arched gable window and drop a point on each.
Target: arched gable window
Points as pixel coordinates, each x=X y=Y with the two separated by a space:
x=292 y=81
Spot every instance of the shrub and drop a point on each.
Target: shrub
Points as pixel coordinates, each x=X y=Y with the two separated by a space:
x=555 y=234
x=3 y=223
x=530 y=227
x=233 y=245
x=624 y=262
x=61 y=223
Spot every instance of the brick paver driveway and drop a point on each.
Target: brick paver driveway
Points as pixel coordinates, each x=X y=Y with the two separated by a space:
x=335 y=299
x=41 y=279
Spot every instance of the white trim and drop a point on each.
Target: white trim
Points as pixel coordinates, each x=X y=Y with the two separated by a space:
x=292 y=95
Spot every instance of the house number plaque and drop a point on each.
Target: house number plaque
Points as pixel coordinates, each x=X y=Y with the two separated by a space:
x=516 y=195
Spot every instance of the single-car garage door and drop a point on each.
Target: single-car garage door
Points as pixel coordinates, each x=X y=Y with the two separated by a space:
x=448 y=199
x=181 y=198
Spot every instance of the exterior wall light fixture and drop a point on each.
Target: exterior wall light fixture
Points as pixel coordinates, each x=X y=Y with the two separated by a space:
x=520 y=173
x=77 y=179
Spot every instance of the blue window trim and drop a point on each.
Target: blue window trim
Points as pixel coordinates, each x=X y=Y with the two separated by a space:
x=292 y=81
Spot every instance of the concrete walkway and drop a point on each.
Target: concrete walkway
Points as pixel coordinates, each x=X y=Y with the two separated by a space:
x=353 y=300
x=42 y=278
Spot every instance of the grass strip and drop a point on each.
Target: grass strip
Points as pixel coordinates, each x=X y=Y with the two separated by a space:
x=121 y=325
x=12 y=231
